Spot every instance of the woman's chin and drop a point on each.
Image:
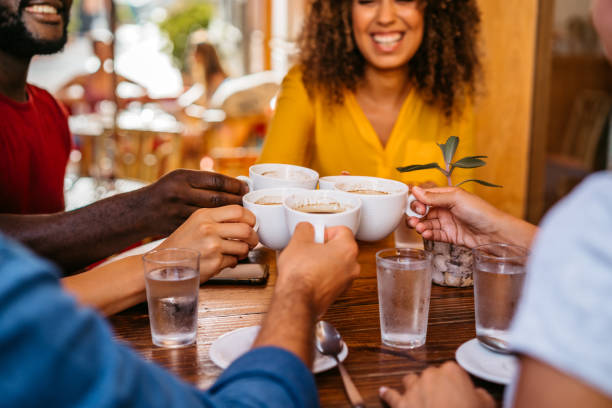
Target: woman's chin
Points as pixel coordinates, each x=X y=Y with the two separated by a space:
x=389 y=64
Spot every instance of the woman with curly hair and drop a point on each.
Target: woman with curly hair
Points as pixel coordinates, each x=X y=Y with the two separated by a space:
x=378 y=84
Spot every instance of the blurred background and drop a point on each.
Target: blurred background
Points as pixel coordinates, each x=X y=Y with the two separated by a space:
x=154 y=85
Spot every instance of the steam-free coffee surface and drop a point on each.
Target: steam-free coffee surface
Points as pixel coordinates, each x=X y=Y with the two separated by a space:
x=295 y=175
x=266 y=200
x=368 y=192
x=319 y=208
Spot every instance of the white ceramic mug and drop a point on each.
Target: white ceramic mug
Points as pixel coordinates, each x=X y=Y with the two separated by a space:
x=275 y=175
x=267 y=205
x=380 y=213
x=349 y=215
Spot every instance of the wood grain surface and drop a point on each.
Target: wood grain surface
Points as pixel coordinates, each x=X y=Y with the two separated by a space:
x=224 y=308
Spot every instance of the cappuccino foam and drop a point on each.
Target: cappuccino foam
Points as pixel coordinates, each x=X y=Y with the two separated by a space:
x=368 y=192
x=321 y=208
x=269 y=200
x=293 y=176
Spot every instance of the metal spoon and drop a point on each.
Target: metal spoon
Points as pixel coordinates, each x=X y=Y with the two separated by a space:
x=329 y=342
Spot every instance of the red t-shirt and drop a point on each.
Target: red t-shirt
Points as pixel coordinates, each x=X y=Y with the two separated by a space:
x=34 y=147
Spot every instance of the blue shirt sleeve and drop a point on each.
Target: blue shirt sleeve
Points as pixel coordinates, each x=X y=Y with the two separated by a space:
x=564 y=317
x=55 y=353
x=266 y=377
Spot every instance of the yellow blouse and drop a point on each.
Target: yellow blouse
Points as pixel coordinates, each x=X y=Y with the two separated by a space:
x=331 y=139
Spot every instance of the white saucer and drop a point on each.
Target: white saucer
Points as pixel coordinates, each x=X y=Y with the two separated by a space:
x=234 y=344
x=486 y=364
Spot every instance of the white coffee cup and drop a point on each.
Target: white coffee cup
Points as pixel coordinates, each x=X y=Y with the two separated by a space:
x=275 y=175
x=380 y=213
x=272 y=225
x=349 y=215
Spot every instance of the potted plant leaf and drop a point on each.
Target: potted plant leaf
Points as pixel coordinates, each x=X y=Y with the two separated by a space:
x=452 y=264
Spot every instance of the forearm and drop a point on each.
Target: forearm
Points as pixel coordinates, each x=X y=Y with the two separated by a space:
x=78 y=238
x=110 y=288
x=515 y=231
x=289 y=324
x=555 y=388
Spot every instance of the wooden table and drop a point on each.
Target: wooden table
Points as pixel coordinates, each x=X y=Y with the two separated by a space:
x=355 y=314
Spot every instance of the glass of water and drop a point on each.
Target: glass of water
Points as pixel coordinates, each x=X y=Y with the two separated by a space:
x=499 y=273
x=404 y=288
x=172 y=281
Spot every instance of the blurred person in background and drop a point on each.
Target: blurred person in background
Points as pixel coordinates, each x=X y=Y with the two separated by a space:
x=204 y=75
x=205 y=70
x=243 y=103
x=212 y=87
x=34 y=147
x=83 y=93
x=92 y=15
x=378 y=83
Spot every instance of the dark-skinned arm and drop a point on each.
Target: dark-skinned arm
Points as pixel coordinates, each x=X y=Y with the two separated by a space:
x=81 y=237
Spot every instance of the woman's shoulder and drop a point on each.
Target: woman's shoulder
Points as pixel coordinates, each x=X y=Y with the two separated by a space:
x=296 y=71
x=294 y=77
x=293 y=86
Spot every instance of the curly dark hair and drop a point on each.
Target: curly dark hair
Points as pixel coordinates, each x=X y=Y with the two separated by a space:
x=444 y=69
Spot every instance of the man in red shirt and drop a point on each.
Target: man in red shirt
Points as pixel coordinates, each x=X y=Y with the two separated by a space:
x=34 y=148
x=35 y=143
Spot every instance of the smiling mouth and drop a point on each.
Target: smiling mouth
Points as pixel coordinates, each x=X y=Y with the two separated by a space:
x=42 y=9
x=387 y=39
x=49 y=12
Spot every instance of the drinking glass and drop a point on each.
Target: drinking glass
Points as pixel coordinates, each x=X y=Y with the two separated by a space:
x=499 y=273
x=172 y=281
x=404 y=288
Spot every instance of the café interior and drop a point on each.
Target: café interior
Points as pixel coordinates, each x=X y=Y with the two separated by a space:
x=152 y=86
x=541 y=109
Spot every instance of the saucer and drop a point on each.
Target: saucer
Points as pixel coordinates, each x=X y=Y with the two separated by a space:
x=485 y=364
x=234 y=344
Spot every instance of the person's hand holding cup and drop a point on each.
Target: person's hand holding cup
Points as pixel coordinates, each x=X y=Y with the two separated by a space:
x=323 y=271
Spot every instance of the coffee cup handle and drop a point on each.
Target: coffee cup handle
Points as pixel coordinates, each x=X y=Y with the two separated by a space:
x=319 y=233
x=410 y=212
x=256 y=226
x=246 y=180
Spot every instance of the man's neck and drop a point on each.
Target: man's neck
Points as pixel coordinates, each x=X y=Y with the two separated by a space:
x=386 y=85
x=13 y=76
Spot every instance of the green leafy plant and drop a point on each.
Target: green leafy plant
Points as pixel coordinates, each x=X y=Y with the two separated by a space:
x=182 y=21
x=448 y=151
